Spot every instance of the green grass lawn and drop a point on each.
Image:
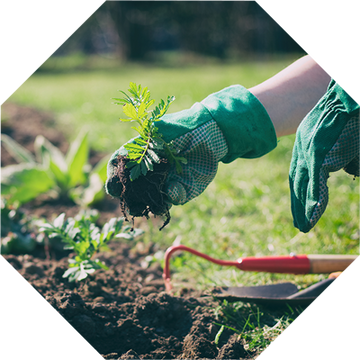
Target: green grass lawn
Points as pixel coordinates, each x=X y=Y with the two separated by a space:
x=246 y=209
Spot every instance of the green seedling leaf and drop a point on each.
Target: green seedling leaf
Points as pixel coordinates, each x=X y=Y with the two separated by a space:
x=141 y=110
x=135 y=172
x=126 y=120
x=133 y=147
x=135 y=156
x=147 y=148
x=19 y=153
x=131 y=164
x=119 y=101
x=93 y=191
x=151 y=102
x=71 y=230
x=178 y=168
x=101 y=264
x=70 y=271
x=140 y=141
x=144 y=168
x=128 y=234
x=51 y=156
x=153 y=156
x=59 y=221
x=217 y=337
x=156 y=146
x=24 y=182
x=110 y=227
x=130 y=111
x=148 y=163
x=76 y=159
x=43 y=146
x=81 y=248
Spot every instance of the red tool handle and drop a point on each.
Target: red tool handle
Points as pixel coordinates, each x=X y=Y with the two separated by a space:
x=289 y=264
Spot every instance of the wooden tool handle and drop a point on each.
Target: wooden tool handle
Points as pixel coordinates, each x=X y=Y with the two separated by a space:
x=323 y=264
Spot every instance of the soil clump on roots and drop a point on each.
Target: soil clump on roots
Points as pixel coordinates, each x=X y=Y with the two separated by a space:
x=144 y=195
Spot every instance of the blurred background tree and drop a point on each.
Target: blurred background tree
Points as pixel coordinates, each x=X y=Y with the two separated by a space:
x=137 y=30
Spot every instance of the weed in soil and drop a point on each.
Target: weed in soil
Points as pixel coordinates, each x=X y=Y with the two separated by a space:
x=145 y=194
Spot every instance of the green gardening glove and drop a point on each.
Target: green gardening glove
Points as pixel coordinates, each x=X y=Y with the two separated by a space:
x=327 y=140
x=225 y=126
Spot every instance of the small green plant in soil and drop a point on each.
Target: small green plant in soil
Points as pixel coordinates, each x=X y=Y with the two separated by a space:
x=85 y=239
x=50 y=172
x=143 y=163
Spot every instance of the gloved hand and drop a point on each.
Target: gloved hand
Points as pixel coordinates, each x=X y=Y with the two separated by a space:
x=327 y=140
x=226 y=125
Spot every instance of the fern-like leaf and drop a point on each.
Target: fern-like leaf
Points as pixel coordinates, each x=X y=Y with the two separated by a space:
x=147 y=149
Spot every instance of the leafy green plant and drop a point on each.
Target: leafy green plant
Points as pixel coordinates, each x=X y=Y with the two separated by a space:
x=149 y=146
x=49 y=171
x=81 y=235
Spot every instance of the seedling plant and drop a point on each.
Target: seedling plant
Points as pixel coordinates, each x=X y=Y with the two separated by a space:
x=143 y=163
x=85 y=239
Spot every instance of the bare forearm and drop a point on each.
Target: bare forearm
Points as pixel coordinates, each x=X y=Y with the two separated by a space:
x=289 y=95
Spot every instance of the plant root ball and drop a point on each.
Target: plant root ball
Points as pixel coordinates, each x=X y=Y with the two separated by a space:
x=145 y=194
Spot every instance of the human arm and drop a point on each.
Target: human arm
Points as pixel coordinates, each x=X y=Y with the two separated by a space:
x=303 y=99
x=290 y=94
x=284 y=100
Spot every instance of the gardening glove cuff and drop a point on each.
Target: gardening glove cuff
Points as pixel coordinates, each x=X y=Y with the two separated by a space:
x=226 y=125
x=244 y=122
x=327 y=140
x=203 y=148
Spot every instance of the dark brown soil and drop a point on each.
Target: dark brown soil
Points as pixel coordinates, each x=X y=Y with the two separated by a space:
x=124 y=312
x=142 y=196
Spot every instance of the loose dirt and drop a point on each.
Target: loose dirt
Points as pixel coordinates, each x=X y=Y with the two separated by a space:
x=142 y=196
x=124 y=312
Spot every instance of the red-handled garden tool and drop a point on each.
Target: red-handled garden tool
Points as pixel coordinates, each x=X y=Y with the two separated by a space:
x=288 y=264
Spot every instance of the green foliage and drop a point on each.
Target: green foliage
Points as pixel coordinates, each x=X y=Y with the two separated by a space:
x=148 y=147
x=257 y=326
x=49 y=170
x=81 y=235
x=17 y=230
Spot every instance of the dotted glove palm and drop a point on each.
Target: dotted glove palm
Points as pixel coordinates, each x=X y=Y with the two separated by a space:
x=327 y=140
x=226 y=125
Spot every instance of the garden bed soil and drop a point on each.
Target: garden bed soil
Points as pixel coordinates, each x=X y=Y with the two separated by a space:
x=124 y=312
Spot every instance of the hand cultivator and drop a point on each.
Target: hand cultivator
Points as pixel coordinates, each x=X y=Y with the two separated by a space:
x=278 y=293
